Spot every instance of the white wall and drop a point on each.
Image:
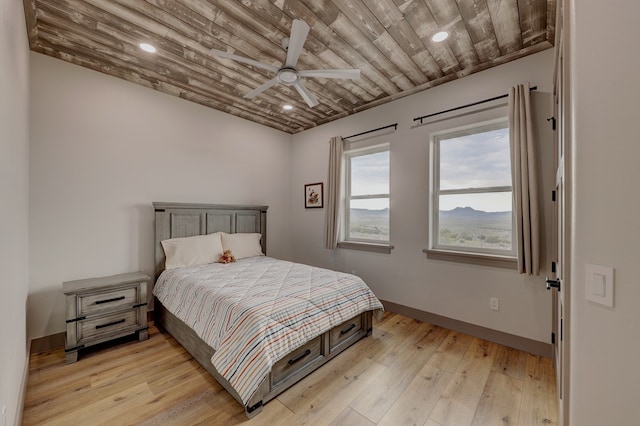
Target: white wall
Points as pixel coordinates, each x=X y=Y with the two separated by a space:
x=455 y=290
x=605 y=349
x=103 y=149
x=14 y=207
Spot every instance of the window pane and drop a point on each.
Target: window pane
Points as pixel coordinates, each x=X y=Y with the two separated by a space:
x=370 y=174
x=369 y=219
x=476 y=220
x=479 y=160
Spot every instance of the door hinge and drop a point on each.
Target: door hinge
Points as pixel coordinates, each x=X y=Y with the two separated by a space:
x=553 y=196
x=553 y=122
x=553 y=267
x=553 y=338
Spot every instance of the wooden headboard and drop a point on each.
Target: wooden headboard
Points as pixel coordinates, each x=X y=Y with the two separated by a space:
x=175 y=220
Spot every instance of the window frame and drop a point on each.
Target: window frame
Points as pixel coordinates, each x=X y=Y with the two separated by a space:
x=345 y=240
x=476 y=255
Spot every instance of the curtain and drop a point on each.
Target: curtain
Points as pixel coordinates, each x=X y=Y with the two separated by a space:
x=525 y=179
x=332 y=212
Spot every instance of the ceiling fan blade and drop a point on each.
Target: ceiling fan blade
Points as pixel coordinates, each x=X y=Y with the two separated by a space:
x=299 y=32
x=352 y=74
x=308 y=97
x=227 y=55
x=255 y=92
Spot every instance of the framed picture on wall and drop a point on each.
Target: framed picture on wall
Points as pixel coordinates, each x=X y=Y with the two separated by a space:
x=313 y=195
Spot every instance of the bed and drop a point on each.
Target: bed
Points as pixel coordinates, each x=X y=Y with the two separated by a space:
x=301 y=316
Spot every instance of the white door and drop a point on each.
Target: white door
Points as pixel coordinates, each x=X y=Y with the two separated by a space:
x=559 y=283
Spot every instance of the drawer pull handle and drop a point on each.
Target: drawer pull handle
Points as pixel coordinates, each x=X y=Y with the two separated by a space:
x=299 y=357
x=348 y=329
x=110 y=324
x=99 y=302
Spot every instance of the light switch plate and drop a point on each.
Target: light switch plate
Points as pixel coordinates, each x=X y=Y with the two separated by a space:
x=599 y=284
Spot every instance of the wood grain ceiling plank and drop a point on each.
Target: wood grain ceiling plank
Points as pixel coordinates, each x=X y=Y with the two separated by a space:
x=90 y=42
x=487 y=50
x=346 y=30
x=394 y=21
x=257 y=76
x=328 y=37
x=394 y=53
x=348 y=90
x=533 y=20
x=193 y=58
x=447 y=16
x=285 y=94
x=430 y=67
x=506 y=24
x=334 y=96
x=325 y=58
x=320 y=36
x=419 y=17
x=361 y=16
x=56 y=50
x=477 y=19
x=364 y=18
x=552 y=5
x=30 y=19
x=339 y=30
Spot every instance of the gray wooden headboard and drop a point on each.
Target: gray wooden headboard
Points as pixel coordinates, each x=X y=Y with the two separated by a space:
x=175 y=220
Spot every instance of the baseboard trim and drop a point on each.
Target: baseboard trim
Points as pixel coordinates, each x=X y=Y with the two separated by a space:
x=23 y=388
x=511 y=340
x=47 y=343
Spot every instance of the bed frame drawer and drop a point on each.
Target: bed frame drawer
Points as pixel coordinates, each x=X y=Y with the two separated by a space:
x=297 y=361
x=346 y=332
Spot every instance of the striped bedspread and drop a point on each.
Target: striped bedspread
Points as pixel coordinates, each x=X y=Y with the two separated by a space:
x=257 y=310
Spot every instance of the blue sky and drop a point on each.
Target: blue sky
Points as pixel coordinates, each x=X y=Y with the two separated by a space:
x=476 y=161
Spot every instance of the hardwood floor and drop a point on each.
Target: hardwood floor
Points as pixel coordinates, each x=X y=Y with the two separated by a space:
x=407 y=373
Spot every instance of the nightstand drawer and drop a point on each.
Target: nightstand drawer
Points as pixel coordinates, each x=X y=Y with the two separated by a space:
x=112 y=323
x=107 y=301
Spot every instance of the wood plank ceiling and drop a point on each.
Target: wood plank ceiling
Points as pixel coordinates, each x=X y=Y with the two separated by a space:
x=388 y=40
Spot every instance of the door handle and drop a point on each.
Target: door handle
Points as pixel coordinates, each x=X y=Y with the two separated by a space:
x=553 y=283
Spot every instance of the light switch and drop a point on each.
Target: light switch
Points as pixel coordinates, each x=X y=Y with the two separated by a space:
x=599 y=284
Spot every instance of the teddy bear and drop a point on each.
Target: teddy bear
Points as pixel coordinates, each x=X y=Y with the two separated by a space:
x=227 y=257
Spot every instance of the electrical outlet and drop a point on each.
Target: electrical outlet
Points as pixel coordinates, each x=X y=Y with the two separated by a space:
x=494 y=303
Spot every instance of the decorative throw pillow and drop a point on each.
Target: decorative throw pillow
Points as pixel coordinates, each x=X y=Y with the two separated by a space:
x=192 y=251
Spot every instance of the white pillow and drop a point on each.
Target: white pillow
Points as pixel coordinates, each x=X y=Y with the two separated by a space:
x=242 y=244
x=191 y=251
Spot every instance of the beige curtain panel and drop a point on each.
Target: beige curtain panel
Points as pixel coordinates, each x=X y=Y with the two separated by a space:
x=332 y=211
x=525 y=179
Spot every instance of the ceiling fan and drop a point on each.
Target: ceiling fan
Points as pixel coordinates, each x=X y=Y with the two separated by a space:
x=287 y=74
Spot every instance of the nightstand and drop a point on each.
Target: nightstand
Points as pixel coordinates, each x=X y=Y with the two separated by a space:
x=102 y=309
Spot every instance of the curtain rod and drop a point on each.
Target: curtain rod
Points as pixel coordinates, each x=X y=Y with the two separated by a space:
x=466 y=106
x=395 y=126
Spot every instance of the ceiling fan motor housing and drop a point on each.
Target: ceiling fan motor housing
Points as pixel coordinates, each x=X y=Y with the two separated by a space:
x=287 y=76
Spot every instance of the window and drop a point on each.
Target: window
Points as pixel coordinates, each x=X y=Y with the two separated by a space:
x=472 y=203
x=366 y=206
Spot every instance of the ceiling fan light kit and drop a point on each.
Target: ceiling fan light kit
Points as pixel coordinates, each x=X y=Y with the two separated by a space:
x=287 y=74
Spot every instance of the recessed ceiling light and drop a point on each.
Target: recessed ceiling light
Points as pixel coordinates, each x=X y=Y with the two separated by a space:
x=147 y=47
x=287 y=107
x=440 y=36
